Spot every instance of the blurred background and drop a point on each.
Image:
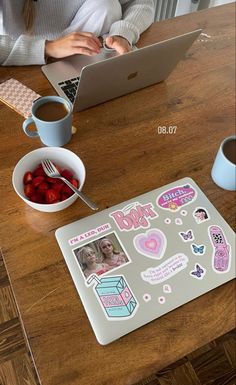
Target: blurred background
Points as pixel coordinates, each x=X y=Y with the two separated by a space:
x=165 y=9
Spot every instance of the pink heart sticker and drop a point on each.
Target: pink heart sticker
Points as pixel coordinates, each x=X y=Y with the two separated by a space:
x=152 y=244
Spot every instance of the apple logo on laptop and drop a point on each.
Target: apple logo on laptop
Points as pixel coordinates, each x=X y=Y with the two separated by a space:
x=132 y=75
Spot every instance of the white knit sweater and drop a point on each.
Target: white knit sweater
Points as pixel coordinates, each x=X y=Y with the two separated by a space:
x=53 y=17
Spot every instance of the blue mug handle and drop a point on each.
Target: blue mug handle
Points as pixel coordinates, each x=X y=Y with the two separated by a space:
x=26 y=123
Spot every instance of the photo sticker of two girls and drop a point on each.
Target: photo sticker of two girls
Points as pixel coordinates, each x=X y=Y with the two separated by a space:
x=101 y=256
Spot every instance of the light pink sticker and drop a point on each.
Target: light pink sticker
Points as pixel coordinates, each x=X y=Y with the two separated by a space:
x=167 y=288
x=161 y=300
x=178 y=221
x=147 y=297
x=152 y=243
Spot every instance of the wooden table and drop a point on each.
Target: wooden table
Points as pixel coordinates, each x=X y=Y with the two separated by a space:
x=125 y=156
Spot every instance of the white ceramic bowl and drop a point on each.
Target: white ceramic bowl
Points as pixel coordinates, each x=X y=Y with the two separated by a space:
x=61 y=156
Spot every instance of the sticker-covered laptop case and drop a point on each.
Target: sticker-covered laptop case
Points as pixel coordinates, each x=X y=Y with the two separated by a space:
x=142 y=258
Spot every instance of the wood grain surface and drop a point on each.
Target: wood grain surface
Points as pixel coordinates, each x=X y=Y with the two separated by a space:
x=212 y=364
x=124 y=157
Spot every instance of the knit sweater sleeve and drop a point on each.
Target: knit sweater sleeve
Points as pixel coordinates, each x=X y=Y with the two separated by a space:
x=24 y=49
x=138 y=15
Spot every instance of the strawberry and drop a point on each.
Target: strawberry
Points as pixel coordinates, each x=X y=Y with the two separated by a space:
x=51 y=180
x=59 y=169
x=51 y=196
x=37 y=198
x=63 y=197
x=29 y=190
x=38 y=171
x=28 y=177
x=37 y=180
x=42 y=187
x=66 y=190
x=67 y=174
x=75 y=182
x=58 y=185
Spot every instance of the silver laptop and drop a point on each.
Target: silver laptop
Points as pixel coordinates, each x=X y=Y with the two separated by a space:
x=150 y=255
x=87 y=81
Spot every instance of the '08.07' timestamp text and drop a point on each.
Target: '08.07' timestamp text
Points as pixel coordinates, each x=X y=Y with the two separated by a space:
x=166 y=130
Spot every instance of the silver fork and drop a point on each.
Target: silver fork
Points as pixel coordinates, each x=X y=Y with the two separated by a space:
x=52 y=171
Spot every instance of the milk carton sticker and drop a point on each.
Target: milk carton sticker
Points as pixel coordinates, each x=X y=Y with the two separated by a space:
x=176 y=198
x=115 y=297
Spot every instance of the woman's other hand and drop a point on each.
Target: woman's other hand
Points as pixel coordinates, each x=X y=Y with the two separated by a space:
x=84 y=43
x=120 y=44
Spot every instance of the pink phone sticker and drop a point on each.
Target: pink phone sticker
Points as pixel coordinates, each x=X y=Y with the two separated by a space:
x=221 y=256
x=176 y=197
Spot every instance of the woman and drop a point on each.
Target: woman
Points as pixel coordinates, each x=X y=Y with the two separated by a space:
x=33 y=30
x=88 y=260
x=111 y=256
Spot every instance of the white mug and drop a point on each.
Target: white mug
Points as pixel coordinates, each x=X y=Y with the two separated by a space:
x=224 y=168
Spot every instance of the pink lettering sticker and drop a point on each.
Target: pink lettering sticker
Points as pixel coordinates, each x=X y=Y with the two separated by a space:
x=176 y=197
x=152 y=244
x=134 y=216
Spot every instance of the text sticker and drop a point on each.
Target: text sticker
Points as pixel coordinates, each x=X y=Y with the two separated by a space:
x=165 y=270
x=176 y=197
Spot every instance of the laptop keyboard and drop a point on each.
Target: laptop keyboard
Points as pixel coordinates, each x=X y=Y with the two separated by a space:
x=69 y=87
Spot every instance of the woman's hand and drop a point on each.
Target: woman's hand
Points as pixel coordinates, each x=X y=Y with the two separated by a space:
x=120 y=44
x=84 y=43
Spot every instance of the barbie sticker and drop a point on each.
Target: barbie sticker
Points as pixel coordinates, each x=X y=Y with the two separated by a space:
x=221 y=250
x=201 y=215
x=165 y=270
x=134 y=216
x=114 y=296
x=152 y=244
x=176 y=197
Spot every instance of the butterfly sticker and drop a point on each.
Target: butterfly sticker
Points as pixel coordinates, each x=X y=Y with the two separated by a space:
x=198 y=249
x=199 y=272
x=186 y=237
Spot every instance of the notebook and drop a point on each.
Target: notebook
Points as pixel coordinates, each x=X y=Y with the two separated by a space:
x=87 y=81
x=145 y=257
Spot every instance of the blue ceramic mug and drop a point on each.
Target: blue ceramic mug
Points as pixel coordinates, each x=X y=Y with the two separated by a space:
x=224 y=168
x=52 y=116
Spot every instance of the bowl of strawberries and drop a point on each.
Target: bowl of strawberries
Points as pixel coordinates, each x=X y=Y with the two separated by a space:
x=42 y=192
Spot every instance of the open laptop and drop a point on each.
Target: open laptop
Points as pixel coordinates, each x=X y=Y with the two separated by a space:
x=169 y=245
x=87 y=81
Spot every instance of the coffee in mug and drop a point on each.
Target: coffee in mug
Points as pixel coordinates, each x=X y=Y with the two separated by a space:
x=229 y=150
x=52 y=116
x=51 y=111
